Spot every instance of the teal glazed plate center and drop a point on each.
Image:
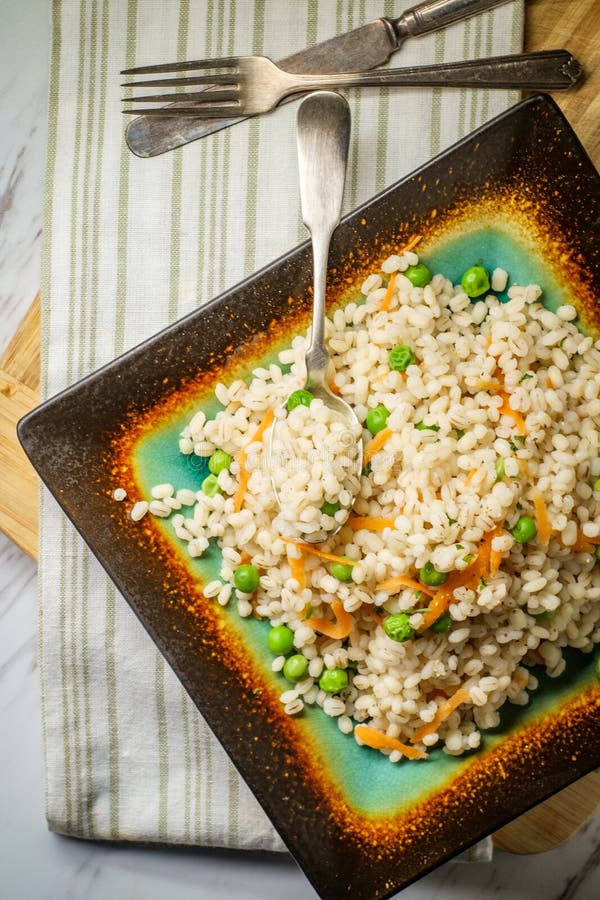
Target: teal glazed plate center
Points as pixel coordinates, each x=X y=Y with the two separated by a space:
x=519 y=193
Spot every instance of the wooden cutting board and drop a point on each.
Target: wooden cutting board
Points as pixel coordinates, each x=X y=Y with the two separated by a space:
x=19 y=393
x=550 y=24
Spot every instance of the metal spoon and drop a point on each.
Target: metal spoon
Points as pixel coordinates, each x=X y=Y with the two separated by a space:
x=323 y=135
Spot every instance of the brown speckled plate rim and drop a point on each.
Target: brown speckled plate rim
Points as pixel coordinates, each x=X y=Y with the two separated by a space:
x=69 y=451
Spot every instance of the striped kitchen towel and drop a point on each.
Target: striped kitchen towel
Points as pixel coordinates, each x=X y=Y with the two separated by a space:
x=130 y=245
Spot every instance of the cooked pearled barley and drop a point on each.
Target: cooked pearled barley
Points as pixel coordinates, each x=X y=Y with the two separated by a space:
x=139 y=510
x=497 y=418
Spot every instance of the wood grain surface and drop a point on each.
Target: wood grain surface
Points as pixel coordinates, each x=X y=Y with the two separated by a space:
x=550 y=24
x=19 y=393
x=575 y=25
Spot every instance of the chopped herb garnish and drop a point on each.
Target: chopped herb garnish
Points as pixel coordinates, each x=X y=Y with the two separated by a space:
x=520 y=439
x=459 y=547
x=421 y=426
x=451 y=521
x=499 y=469
x=459 y=432
x=526 y=376
x=469 y=558
x=483 y=583
x=513 y=446
x=519 y=504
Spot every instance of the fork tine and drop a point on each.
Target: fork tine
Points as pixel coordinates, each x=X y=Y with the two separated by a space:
x=223 y=63
x=228 y=111
x=205 y=96
x=232 y=78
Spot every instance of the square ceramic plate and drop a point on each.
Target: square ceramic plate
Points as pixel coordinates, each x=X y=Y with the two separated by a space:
x=520 y=193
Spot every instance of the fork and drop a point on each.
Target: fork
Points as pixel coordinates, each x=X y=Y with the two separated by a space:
x=249 y=85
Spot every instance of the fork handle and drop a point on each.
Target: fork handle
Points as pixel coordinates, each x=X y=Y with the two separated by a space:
x=548 y=70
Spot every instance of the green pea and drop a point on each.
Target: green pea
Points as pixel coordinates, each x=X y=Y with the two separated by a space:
x=418 y=275
x=210 y=486
x=421 y=426
x=219 y=461
x=545 y=616
x=596 y=485
x=246 y=578
x=443 y=624
x=332 y=681
x=398 y=627
x=525 y=530
x=295 y=667
x=499 y=469
x=299 y=398
x=341 y=571
x=429 y=575
x=280 y=640
x=377 y=419
x=401 y=357
x=330 y=509
x=475 y=281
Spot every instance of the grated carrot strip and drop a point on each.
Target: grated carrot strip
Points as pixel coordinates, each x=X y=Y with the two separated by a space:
x=385 y=303
x=337 y=630
x=415 y=239
x=469 y=578
x=482 y=385
x=372 y=523
x=525 y=470
x=495 y=561
x=373 y=612
x=544 y=525
x=583 y=542
x=334 y=389
x=377 y=740
x=242 y=459
x=470 y=476
x=461 y=696
x=376 y=443
x=297 y=569
x=240 y=493
x=393 y=585
x=496 y=556
x=310 y=548
x=507 y=410
x=521 y=679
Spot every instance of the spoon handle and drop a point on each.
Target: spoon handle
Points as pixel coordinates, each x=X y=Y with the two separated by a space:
x=323 y=137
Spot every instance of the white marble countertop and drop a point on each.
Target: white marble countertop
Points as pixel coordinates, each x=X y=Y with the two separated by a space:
x=38 y=865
